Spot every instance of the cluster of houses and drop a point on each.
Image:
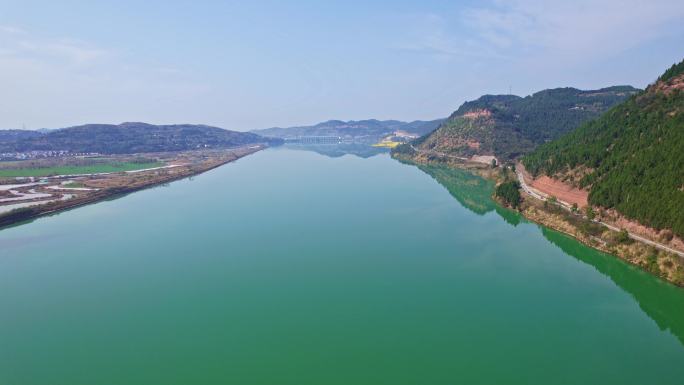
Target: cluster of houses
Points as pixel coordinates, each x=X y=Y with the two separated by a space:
x=42 y=154
x=403 y=136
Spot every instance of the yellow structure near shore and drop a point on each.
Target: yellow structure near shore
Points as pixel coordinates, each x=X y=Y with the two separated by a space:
x=387 y=143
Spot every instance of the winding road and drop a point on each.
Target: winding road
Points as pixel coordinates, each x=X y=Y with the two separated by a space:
x=542 y=196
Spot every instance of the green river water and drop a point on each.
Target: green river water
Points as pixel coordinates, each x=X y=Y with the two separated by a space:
x=291 y=267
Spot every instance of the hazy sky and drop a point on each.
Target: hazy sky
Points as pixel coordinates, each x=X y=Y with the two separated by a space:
x=255 y=64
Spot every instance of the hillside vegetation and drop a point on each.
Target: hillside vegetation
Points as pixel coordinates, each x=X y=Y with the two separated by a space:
x=631 y=158
x=508 y=126
x=10 y=136
x=127 y=138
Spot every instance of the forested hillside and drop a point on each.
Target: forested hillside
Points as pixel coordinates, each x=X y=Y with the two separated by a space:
x=508 y=126
x=12 y=136
x=126 y=138
x=631 y=158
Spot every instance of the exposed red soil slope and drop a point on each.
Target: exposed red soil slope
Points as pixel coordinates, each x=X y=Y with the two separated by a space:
x=556 y=188
x=637 y=228
x=477 y=113
x=676 y=83
x=560 y=190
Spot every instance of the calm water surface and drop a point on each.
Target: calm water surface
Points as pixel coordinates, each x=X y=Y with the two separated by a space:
x=290 y=267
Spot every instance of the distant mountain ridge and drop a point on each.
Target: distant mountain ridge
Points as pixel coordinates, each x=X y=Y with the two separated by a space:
x=508 y=126
x=11 y=136
x=371 y=128
x=130 y=137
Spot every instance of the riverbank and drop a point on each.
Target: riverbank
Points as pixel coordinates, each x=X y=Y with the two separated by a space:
x=661 y=263
x=358 y=258
x=93 y=188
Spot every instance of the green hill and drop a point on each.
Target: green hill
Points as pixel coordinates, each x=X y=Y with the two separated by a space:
x=507 y=125
x=127 y=138
x=631 y=158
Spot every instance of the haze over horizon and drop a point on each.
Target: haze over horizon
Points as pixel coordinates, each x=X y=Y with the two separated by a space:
x=248 y=66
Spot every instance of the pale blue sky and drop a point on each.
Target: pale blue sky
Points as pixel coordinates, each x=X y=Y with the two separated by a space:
x=244 y=65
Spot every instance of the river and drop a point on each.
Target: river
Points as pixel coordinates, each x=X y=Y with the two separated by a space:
x=293 y=267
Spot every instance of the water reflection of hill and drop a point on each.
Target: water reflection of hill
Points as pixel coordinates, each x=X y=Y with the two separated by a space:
x=661 y=301
x=471 y=191
x=337 y=150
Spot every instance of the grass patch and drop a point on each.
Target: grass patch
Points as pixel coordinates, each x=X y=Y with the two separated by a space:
x=73 y=185
x=70 y=170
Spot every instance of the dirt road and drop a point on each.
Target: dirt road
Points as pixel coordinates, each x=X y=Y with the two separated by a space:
x=542 y=196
